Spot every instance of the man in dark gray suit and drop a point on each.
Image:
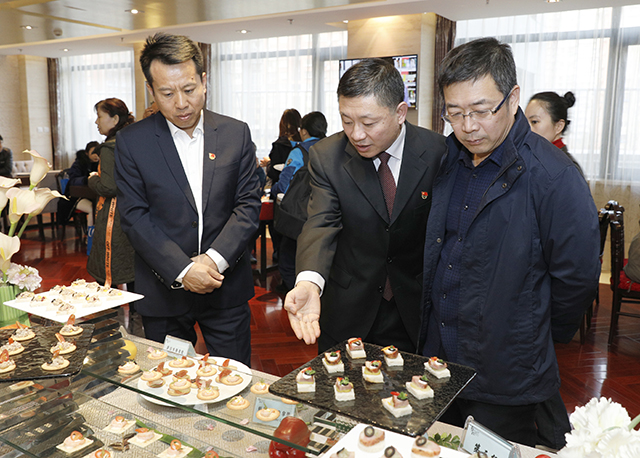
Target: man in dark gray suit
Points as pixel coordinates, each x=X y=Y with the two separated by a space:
x=370 y=199
x=189 y=203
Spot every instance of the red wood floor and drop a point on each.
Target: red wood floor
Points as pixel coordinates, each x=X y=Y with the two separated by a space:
x=588 y=370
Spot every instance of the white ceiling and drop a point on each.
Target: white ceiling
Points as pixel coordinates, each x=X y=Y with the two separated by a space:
x=91 y=26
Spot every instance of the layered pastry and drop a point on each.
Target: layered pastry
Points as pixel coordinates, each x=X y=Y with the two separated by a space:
x=260 y=388
x=179 y=387
x=343 y=453
x=206 y=369
x=419 y=387
x=343 y=389
x=333 y=362
x=6 y=364
x=175 y=450
x=226 y=377
x=181 y=362
x=238 y=403
x=74 y=442
x=424 y=447
x=182 y=375
x=12 y=347
x=371 y=439
x=56 y=362
x=119 y=425
x=111 y=294
x=25 y=296
x=397 y=404
x=156 y=383
x=392 y=357
x=156 y=353
x=77 y=298
x=92 y=300
x=148 y=376
x=391 y=452
x=437 y=367
x=65 y=309
x=164 y=370
x=63 y=346
x=355 y=348
x=70 y=328
x=128 y=368
x=92 y=287
x=144 y=437
x=23 y=333
x=79 y=284
x=371 y=372
x=267 y=414
x=39 y=301
x=208 y=392
x=306 y=380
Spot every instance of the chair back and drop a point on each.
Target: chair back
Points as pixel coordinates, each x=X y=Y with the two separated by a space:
x=617 y=245
x=604 y=219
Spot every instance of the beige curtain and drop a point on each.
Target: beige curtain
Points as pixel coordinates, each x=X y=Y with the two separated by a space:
x=53 y=70
x=445 y=38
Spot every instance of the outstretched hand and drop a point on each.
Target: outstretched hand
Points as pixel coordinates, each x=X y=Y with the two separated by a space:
x=303 y=308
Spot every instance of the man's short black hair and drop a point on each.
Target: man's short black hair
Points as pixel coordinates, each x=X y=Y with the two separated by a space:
x=475 y=60
x=315 y=124
x=377 y=77
x=170 y=50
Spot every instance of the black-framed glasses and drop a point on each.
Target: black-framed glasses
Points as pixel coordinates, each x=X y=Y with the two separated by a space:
x=478 y=115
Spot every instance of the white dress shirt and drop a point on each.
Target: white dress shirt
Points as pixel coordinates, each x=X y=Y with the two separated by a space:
x=191 y=152
x=395 y=161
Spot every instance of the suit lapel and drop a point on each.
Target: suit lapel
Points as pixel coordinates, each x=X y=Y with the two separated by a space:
x=170 y=153
x=209 y=156
x=412 y=170
x=365 y=177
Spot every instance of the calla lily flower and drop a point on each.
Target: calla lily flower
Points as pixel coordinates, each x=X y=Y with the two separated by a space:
x=39 y=170
x=5 y=185
x=21 y=202
x=42 y=197
x=8 y=247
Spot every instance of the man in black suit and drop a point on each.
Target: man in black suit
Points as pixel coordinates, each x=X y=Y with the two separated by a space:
x=361 y=246
x=189 y=203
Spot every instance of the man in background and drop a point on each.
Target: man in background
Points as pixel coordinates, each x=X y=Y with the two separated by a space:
x=506 y=273
x=361 y=247
x=189 y=200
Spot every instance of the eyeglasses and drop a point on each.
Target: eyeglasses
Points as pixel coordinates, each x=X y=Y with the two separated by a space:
x=478 y=115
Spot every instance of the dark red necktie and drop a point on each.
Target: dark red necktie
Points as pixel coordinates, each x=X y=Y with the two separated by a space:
x=388 y=185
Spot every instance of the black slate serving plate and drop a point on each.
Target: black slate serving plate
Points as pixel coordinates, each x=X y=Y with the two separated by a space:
x=367 y=407
x=37 y=352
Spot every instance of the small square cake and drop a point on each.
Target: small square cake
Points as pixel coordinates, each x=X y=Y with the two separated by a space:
x=332 y=362
x=371 y=372
x=397 y=404
x=144 y=437
x=437 y=367
x=343 y=389
x=74 y=442
x=419 y=387
x=119 y=425
x=175 y=450
x=355 y=348
x=392 y=357
x=306 y=380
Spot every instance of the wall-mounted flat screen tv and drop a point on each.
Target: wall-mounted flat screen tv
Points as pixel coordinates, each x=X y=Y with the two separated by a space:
x=408 y=68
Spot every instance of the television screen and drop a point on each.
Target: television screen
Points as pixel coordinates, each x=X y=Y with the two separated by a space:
x=408 y=68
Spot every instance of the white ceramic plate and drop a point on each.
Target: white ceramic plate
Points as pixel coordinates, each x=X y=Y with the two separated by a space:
x=80 y=311
x=226 y=391
x=401 y=442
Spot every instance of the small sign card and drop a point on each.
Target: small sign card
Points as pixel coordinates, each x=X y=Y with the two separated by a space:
x=477 y=438
x=178 y=346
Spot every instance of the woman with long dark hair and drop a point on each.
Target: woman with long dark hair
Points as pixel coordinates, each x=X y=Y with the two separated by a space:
x=111 y=258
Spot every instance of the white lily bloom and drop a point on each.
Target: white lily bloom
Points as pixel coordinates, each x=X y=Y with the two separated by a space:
x=5 y=185
x=8 y=247
x=42 y=197
x=22 y=202
x=40 y=168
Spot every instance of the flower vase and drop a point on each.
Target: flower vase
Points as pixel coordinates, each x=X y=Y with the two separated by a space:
x=9 y=315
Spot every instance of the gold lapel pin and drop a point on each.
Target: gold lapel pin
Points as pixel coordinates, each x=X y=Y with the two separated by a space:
x=212 y=156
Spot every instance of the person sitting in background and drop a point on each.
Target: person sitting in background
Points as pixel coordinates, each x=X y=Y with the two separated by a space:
x=313 y=128
x=150 y=110
x=86 y=162
x=6 y=160
x=547 y=115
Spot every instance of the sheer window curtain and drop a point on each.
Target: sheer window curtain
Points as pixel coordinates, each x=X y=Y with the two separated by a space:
x=596 y=55
x=256 y=80
x=84 y=81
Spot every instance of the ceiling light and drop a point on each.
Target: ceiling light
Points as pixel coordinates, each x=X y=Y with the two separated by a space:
x=346 y=21
x=27 y=27
x=553 y=1
x=65 y=49
x=243 y=31
x=133 y=11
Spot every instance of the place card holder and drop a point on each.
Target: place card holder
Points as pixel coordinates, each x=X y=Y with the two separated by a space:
x=178 y=346
x=477 y=438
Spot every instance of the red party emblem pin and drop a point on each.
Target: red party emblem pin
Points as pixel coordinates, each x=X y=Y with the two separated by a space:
x=425 y=194
x=212 y=156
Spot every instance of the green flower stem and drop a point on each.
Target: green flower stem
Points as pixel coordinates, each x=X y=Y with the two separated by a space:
x=24 y=226
x=12 y=229
x=31 y=186
x=634 y=423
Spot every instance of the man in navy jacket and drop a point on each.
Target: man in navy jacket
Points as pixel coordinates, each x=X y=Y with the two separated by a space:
x=511 y=251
